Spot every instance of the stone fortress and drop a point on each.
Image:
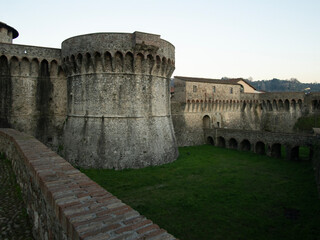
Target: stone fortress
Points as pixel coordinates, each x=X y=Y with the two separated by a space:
x=103 y=100
x=200 y=103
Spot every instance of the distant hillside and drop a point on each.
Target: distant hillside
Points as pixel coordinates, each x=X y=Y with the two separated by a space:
x=277 y=85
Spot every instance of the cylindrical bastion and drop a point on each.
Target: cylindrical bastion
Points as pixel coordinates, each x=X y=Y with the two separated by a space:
x=118 y=100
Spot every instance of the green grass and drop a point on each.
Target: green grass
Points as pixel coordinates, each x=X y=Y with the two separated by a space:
x=215 y=193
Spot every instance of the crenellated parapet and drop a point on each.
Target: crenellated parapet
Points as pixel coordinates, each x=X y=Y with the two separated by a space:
x=137 y=53
x=27 y=60
x=268 y=102
x=23 y=66
x=33 y=91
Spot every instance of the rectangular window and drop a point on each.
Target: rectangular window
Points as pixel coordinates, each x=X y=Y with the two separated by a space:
x=214 y=89
x=195 y=88
x=231 y=90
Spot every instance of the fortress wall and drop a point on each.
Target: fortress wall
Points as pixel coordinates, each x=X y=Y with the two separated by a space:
x=282 y=95
x=276 y=112
x=223 y=108
x=63 y=203
x=179 y=91
x=33 y=90
x=190 y=118
x=204 y=91
x=118 y=100
x=268 y=138
x=188 y=129
x=30 y=52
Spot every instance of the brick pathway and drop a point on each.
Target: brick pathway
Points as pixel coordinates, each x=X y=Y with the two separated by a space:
x=14 y=222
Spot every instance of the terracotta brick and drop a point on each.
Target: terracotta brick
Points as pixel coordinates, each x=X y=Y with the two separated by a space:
x=123 y=211
x=148 y=228
x=154 y=233
x=100 y=230
x=134 y=220
x=108 y=200
x=104 y=218
x=101 y=236
x=108 y=211
x=134 y=226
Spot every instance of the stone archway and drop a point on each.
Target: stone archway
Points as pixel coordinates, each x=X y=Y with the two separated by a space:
x=276 y=150
x=260 y=148
x=233 y=144
x=245 y=145
x=294 y=153
x=210 y=140
x=206 y=121
x=221 y=142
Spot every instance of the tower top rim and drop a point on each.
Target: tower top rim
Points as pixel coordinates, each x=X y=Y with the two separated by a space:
x=15 y=33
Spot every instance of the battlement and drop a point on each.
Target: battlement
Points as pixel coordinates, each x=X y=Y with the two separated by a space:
x=137 y=53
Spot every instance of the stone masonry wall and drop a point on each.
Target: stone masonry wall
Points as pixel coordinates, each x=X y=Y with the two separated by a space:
x=63 y=203
x=118 y=100
x=33 y=91
x=273 y=112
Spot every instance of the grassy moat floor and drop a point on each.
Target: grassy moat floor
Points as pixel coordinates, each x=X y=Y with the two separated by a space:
x=216 y=193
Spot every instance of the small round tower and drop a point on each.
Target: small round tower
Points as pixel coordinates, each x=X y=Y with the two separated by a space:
x=119 y=100
x=7 y=33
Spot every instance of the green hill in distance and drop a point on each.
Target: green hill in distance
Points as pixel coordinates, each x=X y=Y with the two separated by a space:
x=277 y=85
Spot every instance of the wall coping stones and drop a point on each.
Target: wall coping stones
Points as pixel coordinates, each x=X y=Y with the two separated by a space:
x=78 y=207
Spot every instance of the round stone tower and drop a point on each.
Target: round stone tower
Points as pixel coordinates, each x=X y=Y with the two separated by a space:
x=7 y=33
x=118 y=100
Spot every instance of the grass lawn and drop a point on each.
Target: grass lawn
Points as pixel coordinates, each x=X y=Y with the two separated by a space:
x=216 y=193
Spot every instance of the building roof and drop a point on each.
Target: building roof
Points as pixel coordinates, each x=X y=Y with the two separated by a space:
x=207 y=80
x=14 y=32
x=230 y=81
x=241 y=79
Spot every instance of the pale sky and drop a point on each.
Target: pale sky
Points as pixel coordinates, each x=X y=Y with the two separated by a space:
x=262 y=39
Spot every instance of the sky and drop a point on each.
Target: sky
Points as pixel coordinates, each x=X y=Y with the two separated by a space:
x=256 y=39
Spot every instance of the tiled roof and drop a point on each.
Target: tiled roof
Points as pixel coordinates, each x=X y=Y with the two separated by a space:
x=230 y=81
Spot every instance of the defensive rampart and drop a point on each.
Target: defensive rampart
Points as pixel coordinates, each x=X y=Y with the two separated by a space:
x=63 y=203
x=118 y=100
x=33 y=91
x=261 y=142
x=270 y=112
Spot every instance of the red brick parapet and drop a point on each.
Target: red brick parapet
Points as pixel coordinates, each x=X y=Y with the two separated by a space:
x=64 y=203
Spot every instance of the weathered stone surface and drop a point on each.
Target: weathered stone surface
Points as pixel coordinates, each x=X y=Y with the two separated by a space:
x=195 y=105
x=118 y=100
x=107 y=94
x=7 y=33
x=33 y=88
x=261 y=142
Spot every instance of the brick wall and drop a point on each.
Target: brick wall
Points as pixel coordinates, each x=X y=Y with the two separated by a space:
x=63 y=203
